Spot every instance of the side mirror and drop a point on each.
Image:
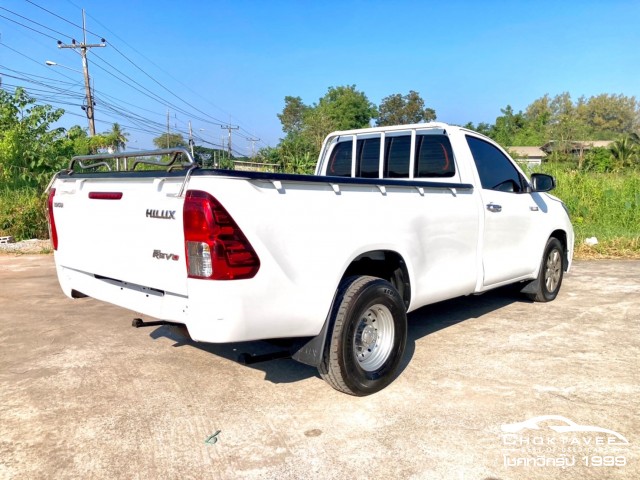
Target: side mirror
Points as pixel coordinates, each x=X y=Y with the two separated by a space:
x=542 y=182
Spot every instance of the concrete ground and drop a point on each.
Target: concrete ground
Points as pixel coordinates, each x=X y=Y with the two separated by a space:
x=85 y=395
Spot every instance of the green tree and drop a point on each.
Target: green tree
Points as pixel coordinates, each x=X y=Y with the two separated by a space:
x=599 y=159
x=208 y=157
x=170 y=140
x=400 y=109
x=566 y=128
x=292 y=116
x=76 y=142
x=609 y=116
x=303 y=164
x=482 y=127
x=116 y=138
x=341 y=108
x=345 y=108
x=29 y=146
x=538 y=117
x=508 y=127
x=624 y=152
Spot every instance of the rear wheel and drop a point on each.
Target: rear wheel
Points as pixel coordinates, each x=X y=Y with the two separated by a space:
x=551 y=271
x=369 y=335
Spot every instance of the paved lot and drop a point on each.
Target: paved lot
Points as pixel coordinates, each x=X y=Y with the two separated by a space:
x=85 y=395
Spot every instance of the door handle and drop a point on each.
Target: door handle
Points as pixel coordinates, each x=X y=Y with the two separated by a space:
x=492 y=207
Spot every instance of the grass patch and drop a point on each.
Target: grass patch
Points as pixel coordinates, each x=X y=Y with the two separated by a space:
x=628 y=248
x=23 y=213
x=602 y=205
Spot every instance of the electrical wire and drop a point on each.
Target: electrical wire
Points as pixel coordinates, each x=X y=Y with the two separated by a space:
x=33 y=60
x=26 y=26
x=145 y=91
x=250 y=135
x=62 y=18
x=144 y=122
x=33 y=21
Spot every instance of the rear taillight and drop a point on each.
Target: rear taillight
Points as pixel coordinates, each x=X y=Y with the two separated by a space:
x=53 y=232
x=215 y=246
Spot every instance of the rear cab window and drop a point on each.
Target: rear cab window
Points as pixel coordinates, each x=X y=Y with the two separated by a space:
x=340 y=159
x=420 y=154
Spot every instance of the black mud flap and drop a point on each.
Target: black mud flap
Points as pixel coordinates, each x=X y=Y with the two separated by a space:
x=311 y=352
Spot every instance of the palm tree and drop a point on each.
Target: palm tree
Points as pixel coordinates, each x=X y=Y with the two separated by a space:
x=117 y=137
x=624 y=151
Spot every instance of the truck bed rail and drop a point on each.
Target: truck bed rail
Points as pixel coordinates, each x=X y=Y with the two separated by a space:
x=149 y=157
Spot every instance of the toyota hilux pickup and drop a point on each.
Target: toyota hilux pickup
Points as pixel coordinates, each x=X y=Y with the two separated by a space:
x=395 y=218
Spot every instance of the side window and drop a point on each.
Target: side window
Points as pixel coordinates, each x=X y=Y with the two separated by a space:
x=340 y=160
x=368 y=158
x=434 y=157
x=495 y=169
x=397 y=152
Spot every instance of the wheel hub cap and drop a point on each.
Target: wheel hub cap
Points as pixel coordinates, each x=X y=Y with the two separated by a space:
x=553 y=270
x=369 y=336
x=373 y=337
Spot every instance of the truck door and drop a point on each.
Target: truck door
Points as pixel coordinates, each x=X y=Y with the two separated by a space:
x=511 y=215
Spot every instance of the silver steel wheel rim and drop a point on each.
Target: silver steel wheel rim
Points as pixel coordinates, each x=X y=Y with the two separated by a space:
x=553 y=270
x=373 y=337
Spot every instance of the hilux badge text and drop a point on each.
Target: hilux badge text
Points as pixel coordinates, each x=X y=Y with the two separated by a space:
x=166 y=214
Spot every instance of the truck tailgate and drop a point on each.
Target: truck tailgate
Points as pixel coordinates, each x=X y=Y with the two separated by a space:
x=122 y=228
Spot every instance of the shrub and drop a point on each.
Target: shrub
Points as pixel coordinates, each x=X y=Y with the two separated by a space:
x=23 y=213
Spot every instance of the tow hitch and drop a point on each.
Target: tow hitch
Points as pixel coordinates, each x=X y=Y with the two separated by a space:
x=138 y=322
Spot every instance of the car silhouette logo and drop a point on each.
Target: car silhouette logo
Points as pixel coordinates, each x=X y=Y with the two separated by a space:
x=564 y=426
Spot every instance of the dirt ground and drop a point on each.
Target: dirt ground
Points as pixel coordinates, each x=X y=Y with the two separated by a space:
x=491 y=387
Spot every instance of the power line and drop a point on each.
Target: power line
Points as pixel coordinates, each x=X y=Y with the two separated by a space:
x=162 y=70
x=65 y=19
x=26 y=26
x=219 y=122
x=45 y=95
x=33 y=21
x=119 y=110
x=37 y=76
x=150 y=61
x=55 y=101
x=202 y=116
x=34 y=61
x=145 y=91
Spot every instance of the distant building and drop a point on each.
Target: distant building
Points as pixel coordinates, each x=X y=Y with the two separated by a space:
x=248 y=166
x=532 y=156
x=577 y=148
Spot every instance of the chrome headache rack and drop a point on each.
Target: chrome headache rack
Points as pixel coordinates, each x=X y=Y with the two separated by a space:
x=167 y=159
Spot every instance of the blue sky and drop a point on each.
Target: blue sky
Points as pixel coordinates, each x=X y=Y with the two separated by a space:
x=235 y=61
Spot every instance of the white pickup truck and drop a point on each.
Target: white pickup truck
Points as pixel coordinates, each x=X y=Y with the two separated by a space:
x=394 y=219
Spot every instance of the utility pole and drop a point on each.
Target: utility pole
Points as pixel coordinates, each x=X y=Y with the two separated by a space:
x=229 y=128
x=253 y=145
x=168 y=128
x=85 y=68
x=191 y=140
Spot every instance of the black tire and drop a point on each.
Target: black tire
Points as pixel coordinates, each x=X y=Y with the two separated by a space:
x=368 y=337
x=551 y=272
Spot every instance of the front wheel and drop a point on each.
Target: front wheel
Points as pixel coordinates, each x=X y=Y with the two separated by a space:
x=368 y=338
x=551 y=271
